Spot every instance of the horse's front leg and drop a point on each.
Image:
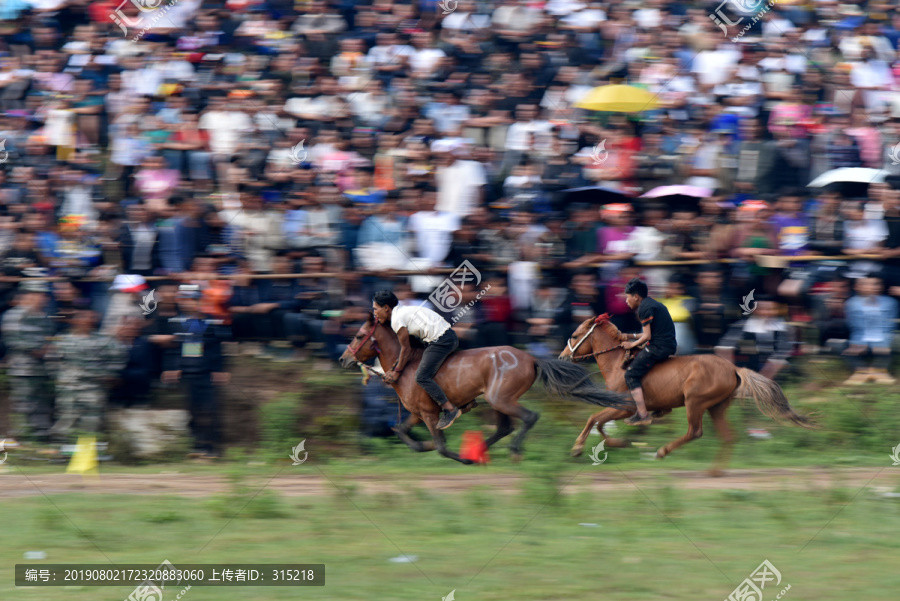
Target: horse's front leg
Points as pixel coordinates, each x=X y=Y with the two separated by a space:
x=402 y=432
x=440 y=442
x=598 y=419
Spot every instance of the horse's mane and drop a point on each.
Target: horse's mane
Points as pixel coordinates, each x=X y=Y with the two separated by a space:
x=610 y=328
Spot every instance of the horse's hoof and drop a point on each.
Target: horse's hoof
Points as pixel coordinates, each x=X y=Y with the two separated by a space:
x=715 y=473
x=577 y=450
x=515 y=457
x=661 y=454
x=616 y=443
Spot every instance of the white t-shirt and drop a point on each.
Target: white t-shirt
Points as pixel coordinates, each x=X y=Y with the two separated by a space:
x=424 y=60
x=434 y=233
x=225 y=129
x=458 y=187
x=424 y=324
x=60 y=127
x=860 y=235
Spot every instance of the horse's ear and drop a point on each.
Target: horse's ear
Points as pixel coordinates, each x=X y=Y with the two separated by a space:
x=604 y=317
x=370 y=319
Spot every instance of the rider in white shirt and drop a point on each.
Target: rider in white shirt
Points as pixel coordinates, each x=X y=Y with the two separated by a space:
x=434 y=331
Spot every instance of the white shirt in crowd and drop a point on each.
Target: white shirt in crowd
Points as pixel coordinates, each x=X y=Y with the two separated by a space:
x=459 y=186
x=434 y=234
x=225 y=129
x=465 y=21
x=426 y=59
x=385 y=55
x=424 y=324
x=521 y=136
x=713 y=67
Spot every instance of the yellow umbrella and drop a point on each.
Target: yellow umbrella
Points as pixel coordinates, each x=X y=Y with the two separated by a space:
x=618 y=99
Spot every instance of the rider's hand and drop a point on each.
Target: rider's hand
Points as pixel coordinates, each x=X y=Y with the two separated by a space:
x=391 y=377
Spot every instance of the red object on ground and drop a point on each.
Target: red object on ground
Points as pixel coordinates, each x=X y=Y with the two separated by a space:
x=473 y=447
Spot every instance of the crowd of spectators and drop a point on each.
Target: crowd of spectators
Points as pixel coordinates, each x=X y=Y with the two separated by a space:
x=215 y=150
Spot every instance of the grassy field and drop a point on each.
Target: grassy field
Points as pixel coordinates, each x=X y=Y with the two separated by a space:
x=656 y=541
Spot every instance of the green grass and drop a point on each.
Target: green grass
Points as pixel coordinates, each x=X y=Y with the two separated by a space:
x=658 y=542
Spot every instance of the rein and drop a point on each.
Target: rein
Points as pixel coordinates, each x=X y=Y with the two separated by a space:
x=577 y=358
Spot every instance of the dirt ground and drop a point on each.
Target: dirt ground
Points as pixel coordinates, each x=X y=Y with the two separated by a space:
x=315 y=482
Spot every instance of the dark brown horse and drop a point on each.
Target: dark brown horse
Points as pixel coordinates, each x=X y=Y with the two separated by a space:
x=501 y=373
x=696 y=382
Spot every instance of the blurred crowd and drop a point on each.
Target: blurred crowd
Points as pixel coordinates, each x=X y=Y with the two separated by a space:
x=201 y=173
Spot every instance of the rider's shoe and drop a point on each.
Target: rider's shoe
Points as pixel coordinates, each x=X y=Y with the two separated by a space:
x=448 y=417
x=636 y=420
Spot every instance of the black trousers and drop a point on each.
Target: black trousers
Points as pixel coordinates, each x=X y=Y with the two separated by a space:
x=643 y=363
x=432 y=359
x=204 y=408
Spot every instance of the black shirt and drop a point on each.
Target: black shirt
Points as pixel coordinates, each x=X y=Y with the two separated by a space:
x=662 y=329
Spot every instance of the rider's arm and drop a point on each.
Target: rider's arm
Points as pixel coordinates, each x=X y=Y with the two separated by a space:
x=645 y=335
x=403 y=337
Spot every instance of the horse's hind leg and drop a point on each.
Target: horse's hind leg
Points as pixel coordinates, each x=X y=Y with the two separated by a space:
x=598 y=419
x=403 y=433
x=695 y=408
x=504 y=427
x=529 y=419
x=717 y=413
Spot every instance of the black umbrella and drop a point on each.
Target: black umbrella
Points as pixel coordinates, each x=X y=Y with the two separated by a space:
x=595 y=195
x=676 y=202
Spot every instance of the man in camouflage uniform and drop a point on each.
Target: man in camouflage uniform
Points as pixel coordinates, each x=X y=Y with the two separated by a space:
x=84 y=363
x=26 y=331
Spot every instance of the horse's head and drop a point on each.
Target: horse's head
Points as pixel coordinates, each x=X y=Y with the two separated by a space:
x=364 y=345
x=594 y=335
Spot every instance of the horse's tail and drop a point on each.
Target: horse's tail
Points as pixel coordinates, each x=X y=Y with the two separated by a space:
x=769 y=397
x=571 y=381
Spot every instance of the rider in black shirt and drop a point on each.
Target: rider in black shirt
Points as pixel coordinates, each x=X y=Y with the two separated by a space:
x=659 y=332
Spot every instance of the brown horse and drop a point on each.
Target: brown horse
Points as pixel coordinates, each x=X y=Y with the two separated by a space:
x=501 y=373
x=696 y=382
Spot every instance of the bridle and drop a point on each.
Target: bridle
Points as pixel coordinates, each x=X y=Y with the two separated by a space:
x=362 y=343
x=572 y=349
